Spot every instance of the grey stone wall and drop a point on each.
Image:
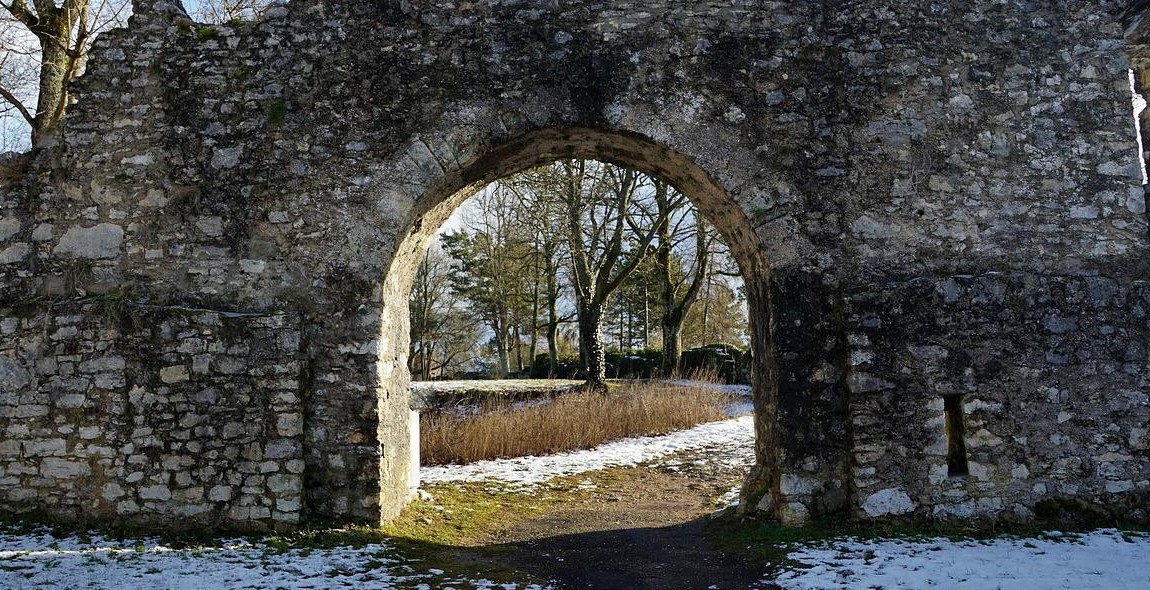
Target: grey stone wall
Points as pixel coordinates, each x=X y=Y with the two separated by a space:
x=1054 y=374
x=118 y=412
x=296 y=166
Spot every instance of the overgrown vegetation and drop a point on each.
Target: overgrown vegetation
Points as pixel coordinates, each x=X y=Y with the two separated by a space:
x=578 y=420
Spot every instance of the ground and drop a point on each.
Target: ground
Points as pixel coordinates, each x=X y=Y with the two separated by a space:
x=632 y=514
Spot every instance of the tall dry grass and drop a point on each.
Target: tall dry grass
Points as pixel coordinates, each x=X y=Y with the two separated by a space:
x=571 y=421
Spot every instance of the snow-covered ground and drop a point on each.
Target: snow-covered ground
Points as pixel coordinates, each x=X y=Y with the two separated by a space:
x=40 y=560
x=1102 y=559
x=1105 y=559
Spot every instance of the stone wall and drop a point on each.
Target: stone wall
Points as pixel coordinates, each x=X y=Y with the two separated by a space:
x=1054 y=378
x=118 y=412
x=296 y=166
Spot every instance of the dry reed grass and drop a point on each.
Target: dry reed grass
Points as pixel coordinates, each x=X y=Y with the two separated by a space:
x=571 y=421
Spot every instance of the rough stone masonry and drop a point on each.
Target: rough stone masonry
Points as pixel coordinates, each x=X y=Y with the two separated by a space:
x=936 y=207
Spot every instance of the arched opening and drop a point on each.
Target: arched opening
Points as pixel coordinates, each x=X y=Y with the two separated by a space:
x=434 y=207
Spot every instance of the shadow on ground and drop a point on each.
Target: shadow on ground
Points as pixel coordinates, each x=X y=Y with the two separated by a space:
x=676 y=557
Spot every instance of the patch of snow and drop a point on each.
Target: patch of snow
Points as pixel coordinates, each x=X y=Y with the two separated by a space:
x=1101 y=559
x=40 y=560
x=729 y=442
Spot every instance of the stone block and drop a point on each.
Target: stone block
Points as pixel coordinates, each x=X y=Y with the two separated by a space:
x=53 y=468
x=156 y=492
x=97 y=242
x=888 y=502
x=174 y=374
x=285 y=484
x=220 y=493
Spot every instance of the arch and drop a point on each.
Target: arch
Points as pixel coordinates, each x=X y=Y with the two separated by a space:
x=626 y=149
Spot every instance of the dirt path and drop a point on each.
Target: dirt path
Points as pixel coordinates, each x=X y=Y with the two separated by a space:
x=643 y=531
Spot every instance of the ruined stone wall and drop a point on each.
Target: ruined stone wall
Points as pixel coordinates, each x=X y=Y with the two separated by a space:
x=123 y=413
x=296 y=165
x=1054 y=378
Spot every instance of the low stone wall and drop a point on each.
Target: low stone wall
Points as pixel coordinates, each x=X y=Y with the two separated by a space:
x=1052 y=374
x=114 y=410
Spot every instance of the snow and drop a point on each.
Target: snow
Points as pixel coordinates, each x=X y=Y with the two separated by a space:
x=1101 y=559
x=40 y=560
x=730 y=442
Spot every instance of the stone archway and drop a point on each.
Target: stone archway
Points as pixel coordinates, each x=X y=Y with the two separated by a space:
x=198 y=322
x=625 y=149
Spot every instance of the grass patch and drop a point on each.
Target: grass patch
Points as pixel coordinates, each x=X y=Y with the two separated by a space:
x=569 y=421
x=466 y=515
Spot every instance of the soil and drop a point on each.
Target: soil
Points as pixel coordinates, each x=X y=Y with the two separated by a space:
x=644 y=530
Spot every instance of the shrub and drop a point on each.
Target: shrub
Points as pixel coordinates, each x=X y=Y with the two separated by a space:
x=727 y=363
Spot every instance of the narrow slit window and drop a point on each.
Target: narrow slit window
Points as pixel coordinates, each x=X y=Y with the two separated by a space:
x=955 y=436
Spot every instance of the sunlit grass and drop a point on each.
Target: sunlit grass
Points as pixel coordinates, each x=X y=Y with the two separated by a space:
x=571 y=421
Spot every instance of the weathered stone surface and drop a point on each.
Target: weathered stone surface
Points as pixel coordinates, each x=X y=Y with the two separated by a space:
x=891 y=501
x=99 y=241
x=154 y=432
x=13 y=377
x=945 y=195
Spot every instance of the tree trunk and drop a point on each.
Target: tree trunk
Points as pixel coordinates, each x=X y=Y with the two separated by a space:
x=672 y=345
x=591 y=341
x=552 y=326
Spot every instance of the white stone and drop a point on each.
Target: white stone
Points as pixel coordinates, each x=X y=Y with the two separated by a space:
x=13 y=377
x=285 y=484
x=291 y=425
x=868 y=227
x=282 y=449
x=160 y=492
x=962 y=102
x=794 y=513
x=102 y=364
x=8 y=228
x=212 y=226
x=63 y=469
x=938 y=473
x=1117 y=487
x=1139 y=437
x=71 y=400
x=254 y=267
x=111 y=491
x=1084 y=212
x=42 y=233
x=226 y=157
x=797 y=485
x=288 y=504
x=174 y=374
x=99 y=241
x=141 y=160
x=890 y=501
x=15 y=253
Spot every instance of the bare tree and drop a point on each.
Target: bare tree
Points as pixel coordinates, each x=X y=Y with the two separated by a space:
x=224 y=11
x=679 y=223
x=541 y=216
x=494 y=257
x=609 y=230
x=50 y=38
x=443 y=336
